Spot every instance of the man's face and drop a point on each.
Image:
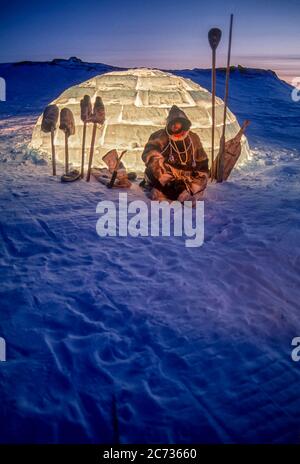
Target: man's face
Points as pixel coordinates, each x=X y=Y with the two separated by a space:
x=177 y=131
x=176 y=127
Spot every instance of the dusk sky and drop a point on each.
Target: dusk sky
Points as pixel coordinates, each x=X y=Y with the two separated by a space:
x=163 y=34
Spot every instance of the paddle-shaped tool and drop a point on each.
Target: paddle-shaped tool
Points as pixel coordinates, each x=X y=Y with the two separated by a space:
x=67 y=125
x=49 y=122
x=98 y=117
x=214 y=37
x=86 y=112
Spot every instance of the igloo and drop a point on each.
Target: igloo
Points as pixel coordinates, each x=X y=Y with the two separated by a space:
x=136 y=102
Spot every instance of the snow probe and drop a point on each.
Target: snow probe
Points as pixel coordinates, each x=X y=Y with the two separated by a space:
x=115 y=171
x=220 y=166
x=98 y=117
x=49 y=122
x=214 y=37
x=85 y=114
x=67 y=125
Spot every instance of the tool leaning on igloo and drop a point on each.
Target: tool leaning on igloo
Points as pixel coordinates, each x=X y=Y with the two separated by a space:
x=115 y=175
x=67 y=125
x=49 y=123
x=97 y=118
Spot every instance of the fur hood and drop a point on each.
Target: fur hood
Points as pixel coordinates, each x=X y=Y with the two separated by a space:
x=177 y=115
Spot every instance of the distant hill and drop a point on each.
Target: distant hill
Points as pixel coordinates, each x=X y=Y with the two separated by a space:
x=255 y=94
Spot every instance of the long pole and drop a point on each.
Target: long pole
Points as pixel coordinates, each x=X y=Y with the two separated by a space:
x=83 y=149
x=88 y=176
x=213 y=112
x=66 y=154
x=53 y=153
x=220 y=172
x=214 y=37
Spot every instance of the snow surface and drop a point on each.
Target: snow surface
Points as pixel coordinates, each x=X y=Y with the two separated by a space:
x=142 y=339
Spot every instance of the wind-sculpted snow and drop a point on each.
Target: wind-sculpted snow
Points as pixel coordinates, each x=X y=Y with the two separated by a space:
x=142 y=339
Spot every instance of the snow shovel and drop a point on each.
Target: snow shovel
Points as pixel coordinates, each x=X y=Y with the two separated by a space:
x=220 y=166
x=214 y=37
x=67 y=125
x=49 y=122
x=98 y=117
x=85 y=114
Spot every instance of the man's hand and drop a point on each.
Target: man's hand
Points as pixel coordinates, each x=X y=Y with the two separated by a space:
x=157 y=165
x=151 y=156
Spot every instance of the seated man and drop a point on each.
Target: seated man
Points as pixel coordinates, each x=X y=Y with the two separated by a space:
x=176 y=163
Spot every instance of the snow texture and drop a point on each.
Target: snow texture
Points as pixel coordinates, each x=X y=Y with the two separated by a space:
x=125 y=340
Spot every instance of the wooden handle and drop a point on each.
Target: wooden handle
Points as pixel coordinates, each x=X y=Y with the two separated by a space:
x=220 y=168
x=115 y=172
x=66 y=154
x=119 y=159
x=242 y=129
x=53 y=153
x=213 y=110
x=112 y=180
x=83 y=149
x=88 y=176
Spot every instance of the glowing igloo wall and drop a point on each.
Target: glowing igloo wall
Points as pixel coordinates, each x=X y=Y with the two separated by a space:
x=137 y=102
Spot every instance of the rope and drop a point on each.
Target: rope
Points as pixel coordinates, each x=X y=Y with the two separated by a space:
x=172 y=144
